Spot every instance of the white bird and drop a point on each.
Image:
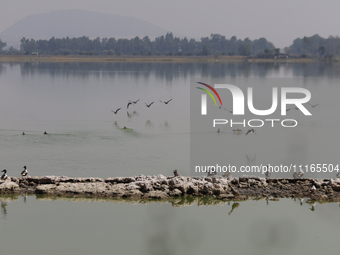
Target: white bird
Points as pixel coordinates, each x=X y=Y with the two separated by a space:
x=312 y=190
x=25 y=172
x=298 y=175
x=227 y=173
x=267 y=173
x=4 y=176
x=211 y=172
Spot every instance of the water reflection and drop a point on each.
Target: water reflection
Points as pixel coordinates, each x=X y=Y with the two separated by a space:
x=233 y=207
x=177 y=202
x=3 y=207
x=171 y=71
x=183 y=225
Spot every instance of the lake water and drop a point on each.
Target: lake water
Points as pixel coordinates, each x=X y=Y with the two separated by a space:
x=72 y=102
x=45 y=225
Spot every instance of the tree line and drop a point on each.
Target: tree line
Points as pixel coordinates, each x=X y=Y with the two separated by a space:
x=162 y=45
x=216 y=44
x=315 y=45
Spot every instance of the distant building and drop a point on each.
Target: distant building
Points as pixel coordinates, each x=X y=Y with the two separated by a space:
x=34 y=53
x=282 y=55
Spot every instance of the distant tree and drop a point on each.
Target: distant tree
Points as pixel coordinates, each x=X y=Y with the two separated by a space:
x=2 y=45
x=286 y=50
x=245 y=48
x=205 y=50
x=322 y=50
x=162 y=45
x=306 y=42
x=217 y=55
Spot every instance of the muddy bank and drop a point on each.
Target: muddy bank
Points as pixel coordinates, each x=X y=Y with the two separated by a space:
x=162 y=187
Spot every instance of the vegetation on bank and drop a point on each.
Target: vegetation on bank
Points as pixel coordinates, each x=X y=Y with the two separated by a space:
x=216 y=45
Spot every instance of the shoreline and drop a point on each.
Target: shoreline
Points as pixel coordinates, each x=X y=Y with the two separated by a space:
x=147 y=59
x=163 y=187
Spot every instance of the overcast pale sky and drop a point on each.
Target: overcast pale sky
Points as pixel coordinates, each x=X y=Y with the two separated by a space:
x=277 y=20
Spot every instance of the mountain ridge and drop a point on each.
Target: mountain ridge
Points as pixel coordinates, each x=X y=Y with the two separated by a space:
x=77 y=23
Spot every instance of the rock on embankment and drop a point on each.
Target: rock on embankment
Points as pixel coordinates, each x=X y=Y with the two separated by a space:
x=161 y=187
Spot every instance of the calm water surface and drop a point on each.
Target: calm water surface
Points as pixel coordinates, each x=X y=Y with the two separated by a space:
x=72 y=102
x=44 y=225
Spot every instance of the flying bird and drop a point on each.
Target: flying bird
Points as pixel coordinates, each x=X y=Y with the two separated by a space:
x=135 y=102
x=225 y=109
x=25 y=172
x=165 y=102
x=148 y=105
x=115 y=112
x=313 y=105
x=129 y=104
x=251 y=131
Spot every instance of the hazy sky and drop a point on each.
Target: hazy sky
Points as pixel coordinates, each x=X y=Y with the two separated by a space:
x=277 y=20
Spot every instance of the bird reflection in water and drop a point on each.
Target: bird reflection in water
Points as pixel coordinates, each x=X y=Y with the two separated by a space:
x=164 y=125
x=148 y=124
x=233 y=207
x=132 y=114
x=301 y=200
x=313 y=206
x=3 y=208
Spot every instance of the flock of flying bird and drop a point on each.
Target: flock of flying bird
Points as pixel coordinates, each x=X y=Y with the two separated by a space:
x=135 y=102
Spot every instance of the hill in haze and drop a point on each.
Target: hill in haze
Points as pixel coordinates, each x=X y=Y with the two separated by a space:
x=77 y=23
